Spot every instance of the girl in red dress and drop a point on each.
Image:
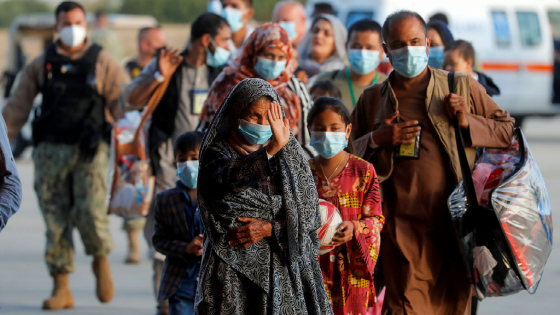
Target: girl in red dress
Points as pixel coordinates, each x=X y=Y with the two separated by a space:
x=349 y=183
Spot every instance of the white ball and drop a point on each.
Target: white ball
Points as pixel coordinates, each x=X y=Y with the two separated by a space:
x=330 y=221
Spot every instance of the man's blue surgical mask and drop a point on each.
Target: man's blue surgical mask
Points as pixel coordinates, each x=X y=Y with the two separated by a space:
x=188 y=173
x=215 y=6
x=363 y=61
x=328 y=144
x=255 y=133
x=270 y=69
x=234 y=17
x=409 y=61
x=435 y=57
x=290 y=28
x=219 y=57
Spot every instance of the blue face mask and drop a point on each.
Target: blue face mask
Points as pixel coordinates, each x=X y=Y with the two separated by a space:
x=219 y=57
x=215 y=6
x=254 y=133
x=290 y=28
x=328 y=144
x=363 y=61
x=234 y=17
x=435 y=57
x=270 y=69
x=188 y=173
x=409 y=61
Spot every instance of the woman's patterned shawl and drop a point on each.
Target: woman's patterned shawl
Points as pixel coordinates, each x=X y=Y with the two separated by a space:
x=299 y=200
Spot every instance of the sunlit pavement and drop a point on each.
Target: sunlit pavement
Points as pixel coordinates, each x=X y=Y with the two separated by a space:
x=24 y=281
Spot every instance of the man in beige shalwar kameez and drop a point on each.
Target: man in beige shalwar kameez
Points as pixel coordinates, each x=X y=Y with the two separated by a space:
x=422 y=267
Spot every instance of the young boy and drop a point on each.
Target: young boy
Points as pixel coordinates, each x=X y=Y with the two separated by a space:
x=324 y=88
x=459 y=57
x=178 y=229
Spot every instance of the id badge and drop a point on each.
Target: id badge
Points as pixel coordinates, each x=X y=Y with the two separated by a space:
x=409 y=151
x=198 y=97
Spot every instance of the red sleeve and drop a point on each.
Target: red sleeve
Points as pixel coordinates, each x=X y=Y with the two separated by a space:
x=366 y=242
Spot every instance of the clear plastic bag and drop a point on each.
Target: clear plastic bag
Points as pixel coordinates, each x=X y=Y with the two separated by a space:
x=131 y=183
x=505 y=239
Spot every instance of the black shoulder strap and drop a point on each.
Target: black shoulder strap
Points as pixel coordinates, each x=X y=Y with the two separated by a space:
x=335 y=74
x=464 y=162
x=91 y=55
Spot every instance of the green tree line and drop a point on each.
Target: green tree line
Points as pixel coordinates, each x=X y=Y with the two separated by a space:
x=186 y=11
x=165 y=11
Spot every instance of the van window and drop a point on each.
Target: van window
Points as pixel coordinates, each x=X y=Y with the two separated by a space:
x=501 y=28
x=355 y=16
x=554 y=18
x=529 y=28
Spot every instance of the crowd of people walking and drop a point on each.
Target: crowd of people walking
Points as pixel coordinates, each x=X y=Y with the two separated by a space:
x=257 y=124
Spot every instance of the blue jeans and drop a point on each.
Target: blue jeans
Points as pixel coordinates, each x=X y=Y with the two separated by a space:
x=182 y=301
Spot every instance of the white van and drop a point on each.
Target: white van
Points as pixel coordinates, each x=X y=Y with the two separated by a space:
x=513 y=40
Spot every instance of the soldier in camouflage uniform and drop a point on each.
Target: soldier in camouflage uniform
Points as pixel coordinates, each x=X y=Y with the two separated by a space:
x=80 y=85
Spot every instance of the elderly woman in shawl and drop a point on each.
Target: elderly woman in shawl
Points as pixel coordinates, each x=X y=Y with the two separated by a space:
x=260 y=210
x=267 y=54
x=324 y=47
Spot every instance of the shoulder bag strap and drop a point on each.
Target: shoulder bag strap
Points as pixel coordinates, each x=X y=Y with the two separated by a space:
x=464 y=162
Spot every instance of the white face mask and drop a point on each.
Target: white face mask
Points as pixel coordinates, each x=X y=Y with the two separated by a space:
x=73 y=35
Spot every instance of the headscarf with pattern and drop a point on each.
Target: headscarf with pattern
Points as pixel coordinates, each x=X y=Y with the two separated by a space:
x=268 y=35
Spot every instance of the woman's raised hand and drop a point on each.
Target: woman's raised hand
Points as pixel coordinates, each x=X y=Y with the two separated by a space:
x=280 y=129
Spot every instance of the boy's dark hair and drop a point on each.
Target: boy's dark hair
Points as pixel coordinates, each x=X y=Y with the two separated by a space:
x=399 y=16
x=464 y=48
x=322 y=104
x=328 y=87
x=439 y=17
x=366 y=25
x=207 y=23
x=187 y=141
x=67 y=6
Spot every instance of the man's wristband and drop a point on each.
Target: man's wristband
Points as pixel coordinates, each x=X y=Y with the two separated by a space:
x=160 y=78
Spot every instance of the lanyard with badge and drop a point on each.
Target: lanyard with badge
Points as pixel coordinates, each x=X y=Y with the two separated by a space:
x=352 y=88
x=198 y=96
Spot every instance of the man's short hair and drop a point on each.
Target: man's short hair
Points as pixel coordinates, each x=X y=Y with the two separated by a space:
x=365 y=25
x=100 y=13
x=323 y=8
x=207 y=23
x=464 y=48
x=400 y=16
x=279 y=4
x=143 y=31
x=67 y=6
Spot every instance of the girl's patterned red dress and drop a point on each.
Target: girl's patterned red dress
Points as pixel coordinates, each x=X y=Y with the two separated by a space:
x=348 y=269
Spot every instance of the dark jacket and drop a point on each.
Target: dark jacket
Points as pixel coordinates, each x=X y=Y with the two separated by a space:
x=174 y=228
x=487 y=82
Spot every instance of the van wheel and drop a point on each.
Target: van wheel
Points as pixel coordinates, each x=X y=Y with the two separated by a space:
x=519 y=121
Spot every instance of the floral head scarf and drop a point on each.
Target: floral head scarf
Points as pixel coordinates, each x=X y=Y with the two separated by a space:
x=266 y=36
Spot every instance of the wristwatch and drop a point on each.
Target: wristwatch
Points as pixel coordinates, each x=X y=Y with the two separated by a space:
x=160 y=78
